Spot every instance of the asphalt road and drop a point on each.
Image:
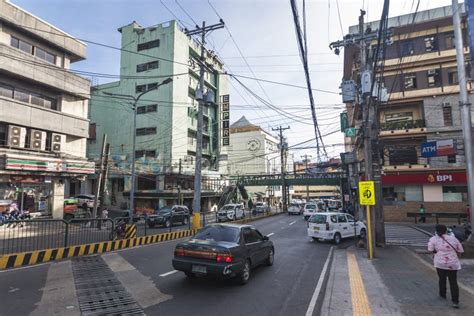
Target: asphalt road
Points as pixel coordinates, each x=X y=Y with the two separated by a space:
x=286 y=288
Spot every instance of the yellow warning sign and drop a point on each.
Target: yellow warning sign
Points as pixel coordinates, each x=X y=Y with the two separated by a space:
x=366 y=193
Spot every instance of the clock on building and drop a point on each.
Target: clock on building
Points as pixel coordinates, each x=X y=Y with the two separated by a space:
x=253 y=145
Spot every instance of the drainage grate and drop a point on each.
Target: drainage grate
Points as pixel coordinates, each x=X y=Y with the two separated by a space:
x=98 y=291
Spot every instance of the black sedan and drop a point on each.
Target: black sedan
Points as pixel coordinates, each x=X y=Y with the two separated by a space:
x=167 y=216
x=224 y=250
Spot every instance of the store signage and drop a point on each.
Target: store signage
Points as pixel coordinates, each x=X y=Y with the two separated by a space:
x=425 y=178
x=438 y=148
x=225 y=110
x=26 y=179
x=49 y=165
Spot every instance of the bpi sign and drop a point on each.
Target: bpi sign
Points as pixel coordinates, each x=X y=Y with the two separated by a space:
x=440 y=178
x=438 y=148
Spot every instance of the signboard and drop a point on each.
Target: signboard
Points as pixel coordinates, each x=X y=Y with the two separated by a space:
x=366 y=193
x=225 y=109
x=344 y=121
x=425 y=178
x=350 y=132
x=49 y=165
x=470 y=28
x=438 y=148
x=348 y=157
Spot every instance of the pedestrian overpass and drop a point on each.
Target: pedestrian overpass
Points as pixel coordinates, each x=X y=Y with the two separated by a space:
x=328 y=178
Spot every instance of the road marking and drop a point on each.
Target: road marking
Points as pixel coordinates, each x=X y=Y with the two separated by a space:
x=360 y=301
x=317 y=290
x=292 y=222
x=271 y=234
x=168 y=273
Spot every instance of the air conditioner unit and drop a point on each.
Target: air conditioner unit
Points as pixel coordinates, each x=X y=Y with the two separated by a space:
x=16 y=136
x=37 y=139
x=57 y=142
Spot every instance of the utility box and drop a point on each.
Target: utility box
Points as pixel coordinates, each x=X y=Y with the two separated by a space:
x=348 y=91
x=366 y=82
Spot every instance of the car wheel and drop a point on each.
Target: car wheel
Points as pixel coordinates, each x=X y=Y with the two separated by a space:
x=337 y=238
x=190 y=275
x=362 y=233
x=315 y=239
x=168 y=223
x=151 y=225
x=185 y=220
x=270 y=258
x=244 y=276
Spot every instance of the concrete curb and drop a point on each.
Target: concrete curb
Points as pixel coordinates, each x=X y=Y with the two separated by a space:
x=431 y=267
x=22 y=259
x=421 y=230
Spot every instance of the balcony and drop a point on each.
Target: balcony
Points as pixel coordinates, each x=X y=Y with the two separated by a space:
x=30 y=67
x=402 y=127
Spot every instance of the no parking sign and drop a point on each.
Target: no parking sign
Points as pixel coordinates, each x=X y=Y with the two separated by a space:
x=366 y=193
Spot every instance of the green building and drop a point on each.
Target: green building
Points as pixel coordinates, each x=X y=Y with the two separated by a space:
x=166 y=118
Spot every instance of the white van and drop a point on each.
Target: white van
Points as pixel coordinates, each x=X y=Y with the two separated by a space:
x=335 y=226
x=230 y=212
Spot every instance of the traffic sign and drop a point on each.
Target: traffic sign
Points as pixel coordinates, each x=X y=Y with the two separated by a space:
x=366 y=193
x=350 y=132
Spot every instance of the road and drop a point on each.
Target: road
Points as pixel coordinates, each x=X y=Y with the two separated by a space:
x=286 y=288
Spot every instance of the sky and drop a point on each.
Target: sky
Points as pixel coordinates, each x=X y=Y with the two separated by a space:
x=259 y=42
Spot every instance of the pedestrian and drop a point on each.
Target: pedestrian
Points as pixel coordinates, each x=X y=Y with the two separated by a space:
x=446 y=248
x=422 y=213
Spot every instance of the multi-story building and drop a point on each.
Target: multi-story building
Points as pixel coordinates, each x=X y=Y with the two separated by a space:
x=166 y=117
x=43 y=113
x=422 y=114
x=254 y=151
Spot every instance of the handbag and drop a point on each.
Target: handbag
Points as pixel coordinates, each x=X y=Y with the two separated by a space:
x=457 y=253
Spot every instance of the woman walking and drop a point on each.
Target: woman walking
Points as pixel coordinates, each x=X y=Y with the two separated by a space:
x=446 y=248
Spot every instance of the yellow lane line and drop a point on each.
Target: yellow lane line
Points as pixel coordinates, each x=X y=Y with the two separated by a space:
x=360 y=301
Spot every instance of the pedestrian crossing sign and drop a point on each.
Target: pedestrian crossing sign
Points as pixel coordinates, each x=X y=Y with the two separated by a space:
x=366 y=193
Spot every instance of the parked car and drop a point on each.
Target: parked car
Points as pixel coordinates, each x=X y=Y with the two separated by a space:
x=224 y=250
x=309 y=210
x=294 y=208
x=85 y=200
x=230 y=212
x=169 y=215
x=335 y=226
x=261 y=207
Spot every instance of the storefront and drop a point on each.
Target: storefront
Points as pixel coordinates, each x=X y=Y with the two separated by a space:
x=30 y=193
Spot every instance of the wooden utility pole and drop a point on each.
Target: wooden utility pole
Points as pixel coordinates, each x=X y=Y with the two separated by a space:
x=99 y=179
x=283 y=169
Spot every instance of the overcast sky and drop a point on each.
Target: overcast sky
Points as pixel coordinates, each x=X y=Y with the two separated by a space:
x=263 y=31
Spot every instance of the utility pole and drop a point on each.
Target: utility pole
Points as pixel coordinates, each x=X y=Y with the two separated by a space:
x=282 y=161
x=306 y=156
x=465 y=108
x=200 y=119
x=98 y=183
x=103 y=183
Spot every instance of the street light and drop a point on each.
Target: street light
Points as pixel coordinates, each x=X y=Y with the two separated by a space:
x=134 y=107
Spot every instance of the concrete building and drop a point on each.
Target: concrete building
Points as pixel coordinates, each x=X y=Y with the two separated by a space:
x=421 y=76
x=166 y=118
x=43 y=113
x=254 y=151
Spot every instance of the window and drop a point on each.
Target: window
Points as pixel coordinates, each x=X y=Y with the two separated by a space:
x=341 y=218
x=14 y=42
x=6 y=91
x=27 y=96
x=398 y=117
x=147 y=108
x=431 y=44
x=148 y=45
x=21 y=95
x=333 y=219
x=433 y=78
x=453 y=76
x=447 y=116
x=407 y=48
x=452 y=159
x=402 y=155
x=45 y=55
x=145 y=153
x=350 y=218
x=218 y=233
x=146 y=183
x=146 y=131
x=191 y=140
x=454 y=193
x=33 y=50
x=251 y=236
x=410 y=81
x=449 y=41
x=146 y=87
x=147 y=66
x=92 y=131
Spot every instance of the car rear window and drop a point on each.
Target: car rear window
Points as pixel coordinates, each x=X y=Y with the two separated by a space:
x=318 y=219
x=310 y=206
x=219 y=233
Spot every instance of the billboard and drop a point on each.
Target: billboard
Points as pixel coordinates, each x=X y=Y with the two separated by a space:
x=445 y=147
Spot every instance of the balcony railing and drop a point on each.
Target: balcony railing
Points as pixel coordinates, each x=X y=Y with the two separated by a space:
x=393 y=126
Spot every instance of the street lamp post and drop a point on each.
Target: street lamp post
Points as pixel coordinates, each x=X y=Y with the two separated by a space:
x=134 y=137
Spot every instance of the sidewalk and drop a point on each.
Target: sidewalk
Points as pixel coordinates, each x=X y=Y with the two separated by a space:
x=397 y=282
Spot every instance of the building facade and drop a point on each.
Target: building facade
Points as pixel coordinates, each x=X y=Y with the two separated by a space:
x=166 y=118
x=43 y=113
x=420 y=136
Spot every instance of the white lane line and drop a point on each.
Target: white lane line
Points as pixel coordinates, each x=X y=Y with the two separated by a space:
x=271 y=234
x=168 y=273
x=312 y=304
x=292 y=222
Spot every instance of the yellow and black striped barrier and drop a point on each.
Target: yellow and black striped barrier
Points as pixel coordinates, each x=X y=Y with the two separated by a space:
x=41 y=256
x=130 y=231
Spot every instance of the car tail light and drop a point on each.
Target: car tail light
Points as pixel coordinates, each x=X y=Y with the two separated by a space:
x=224 y=258
x=327 y=226
x=179 y=252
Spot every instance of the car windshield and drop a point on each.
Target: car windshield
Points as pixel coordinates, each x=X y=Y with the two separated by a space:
x=228 y=208
x=164 y=210
x=311 y=206
x=318 y=219
x=219 y=233
x=293 y=205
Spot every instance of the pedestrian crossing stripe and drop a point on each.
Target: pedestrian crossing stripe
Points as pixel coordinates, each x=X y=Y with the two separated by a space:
x=16 y=260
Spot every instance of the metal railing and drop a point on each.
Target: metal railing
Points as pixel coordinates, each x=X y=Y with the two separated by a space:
x=394 y=126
